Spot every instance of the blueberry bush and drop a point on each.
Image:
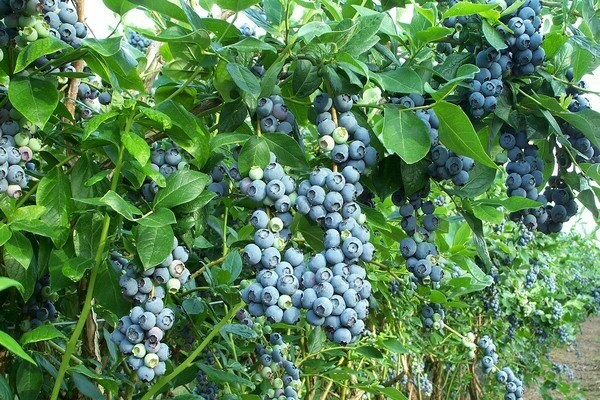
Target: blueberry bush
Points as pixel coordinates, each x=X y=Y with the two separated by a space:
x=289 y=199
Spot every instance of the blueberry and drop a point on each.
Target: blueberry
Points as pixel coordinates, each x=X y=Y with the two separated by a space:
x=104 y=98
x=476 y=100
x=257 y=191
x=269 y=124
x=264 y=107
x=322 y=103
x=270 y=257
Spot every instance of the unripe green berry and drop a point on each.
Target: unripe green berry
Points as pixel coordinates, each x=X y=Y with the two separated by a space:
x=151 y=360
x=22 y=139
x=362 y=218
x=340 y=135
x=284 y=302
x=256 y=173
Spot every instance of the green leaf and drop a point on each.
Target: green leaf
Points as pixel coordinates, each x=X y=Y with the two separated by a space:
x=6 y=283
x=19 y=247
x=87 y=233
x=120 y=205
x=437 y=297
x=488 y=213
x=54 y=193
x=413 y=176
x=35 y=98
x=158 y=218
x=405 y=134
x=240 y=330
x=468 y=8
x=182 y=187
x=227 y=139
x=237 y=5
x=5 y=233
x=233 y=264
x=233 y=114
x=29 y=381
x=365 y=35
x=187 y=131
x=221 y=376
x=75 y=267
x=251 y=45
x=37 y=49
x=244 y=79
x=286 y=149
x=5 y=392
x=305 y=79
x=136 y=146
x=108 y=383
x=255 y=152
x=395 y=345
x=11 y=345
x=105 y=47
x=457 y=133
x=93 y=124
x=493 y=36
x=157 y=116
x=108 y=294
x=41 y=334
x=153 y=244
x=400 y=80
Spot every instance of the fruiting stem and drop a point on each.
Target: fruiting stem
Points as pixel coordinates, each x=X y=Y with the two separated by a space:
x=182 y=87
x=87 y=305
x=210 y=264
x=61 y=350
x=453 y=331
x=190 y=359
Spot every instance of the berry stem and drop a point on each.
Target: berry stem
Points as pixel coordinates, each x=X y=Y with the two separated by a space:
x=192 y=357
x=98 y=260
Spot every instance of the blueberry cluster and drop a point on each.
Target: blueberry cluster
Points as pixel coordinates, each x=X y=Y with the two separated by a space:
x=525 y=40
x=274 y=362
x=425 y=385
x=23 y=22
x=418 y=249
x=138 y=41
x=525 y=177
x=490 y=358
x=340 y=133
x=432 y=316
x=166 y=158
x=563 y=334
x=532 y=275
x=247 y=30
x=557 y=311
x=491 y=300
x=40 y=306
x=87 y=93
x=564 y=207
x=525 y=167
x=525 y=236
x=140 y=334
x=222 y=176
x=17 y=147
x=205 y=388
x=487 y=84
x=395 y=287
x=550 y=283
x=448 y=165
x=588 y=152
x=274 y=115
x=513 y=385
x=335 y=284
x=563 y=369
x=63 y=20
x=331 y=286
